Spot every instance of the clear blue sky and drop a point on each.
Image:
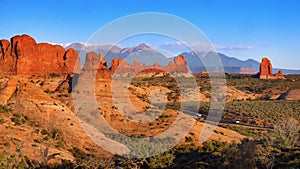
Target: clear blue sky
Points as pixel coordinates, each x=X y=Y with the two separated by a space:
x=243 y=29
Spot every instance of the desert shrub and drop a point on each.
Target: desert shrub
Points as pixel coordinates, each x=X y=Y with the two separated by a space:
x=2 y=121
x=48 y=91
x=161 y=161
x=242 y=130
x=42 y=83
x=188 y=139
x=9 y=160
x=241 y=156
x=83 y=160
x=44 y=132
x=37 y=140
x=19 y=119
x=54 y=74
x=268 y=111
x=59 y=144
x=56 y=134
x=248 y=83
x=4 y=109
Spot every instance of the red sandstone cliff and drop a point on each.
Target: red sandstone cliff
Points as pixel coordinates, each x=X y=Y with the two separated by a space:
x=23 y=56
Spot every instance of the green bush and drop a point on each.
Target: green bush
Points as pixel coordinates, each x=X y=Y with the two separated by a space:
x=54 y=74
x=19 y=119
x=48 y=91
x=188 y=139
x=44 y=132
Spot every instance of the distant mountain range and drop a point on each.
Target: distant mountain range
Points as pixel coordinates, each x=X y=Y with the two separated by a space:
x=148 y=56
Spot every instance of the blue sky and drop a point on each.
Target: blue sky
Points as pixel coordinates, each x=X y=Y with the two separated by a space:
x=242 y=29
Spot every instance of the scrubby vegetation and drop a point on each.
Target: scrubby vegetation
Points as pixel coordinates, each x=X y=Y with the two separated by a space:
x=270 y=87
x=272 y=128
x=271 y=152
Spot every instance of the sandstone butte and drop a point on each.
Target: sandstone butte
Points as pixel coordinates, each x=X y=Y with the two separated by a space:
x=23 y=56
x=266 y=70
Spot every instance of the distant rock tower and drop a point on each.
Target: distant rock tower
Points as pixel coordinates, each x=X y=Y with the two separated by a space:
x=266 y=70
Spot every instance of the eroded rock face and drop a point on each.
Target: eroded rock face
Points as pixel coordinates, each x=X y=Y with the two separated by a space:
x=266 y=70
x=23 y=56
x=7 y=62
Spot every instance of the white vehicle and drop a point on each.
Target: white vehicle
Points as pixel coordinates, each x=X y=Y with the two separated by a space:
x=199 y=115
x=236 y=121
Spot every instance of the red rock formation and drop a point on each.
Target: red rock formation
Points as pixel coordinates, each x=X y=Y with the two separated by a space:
x=95 y=63
x=71 y=61
x=137 y=66
x=7 y=62
x=204 y=72
x=179 y=65
x=23 y=56
x=266 y=70
x=102 y=60
x=156 y=65
x=136 y=63
x=279 y=74
x=91 y=62
x=121 y=66
x=179 y=60
x=25 y=50
x=171 y=65
x=102 y=71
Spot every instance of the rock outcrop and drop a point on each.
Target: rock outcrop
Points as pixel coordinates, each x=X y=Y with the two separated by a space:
x=9 y=90
x=122 y=66
x=291 y=95
x=95 y=63
x=7 y=62
x=266 y=70
x=23 y=56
